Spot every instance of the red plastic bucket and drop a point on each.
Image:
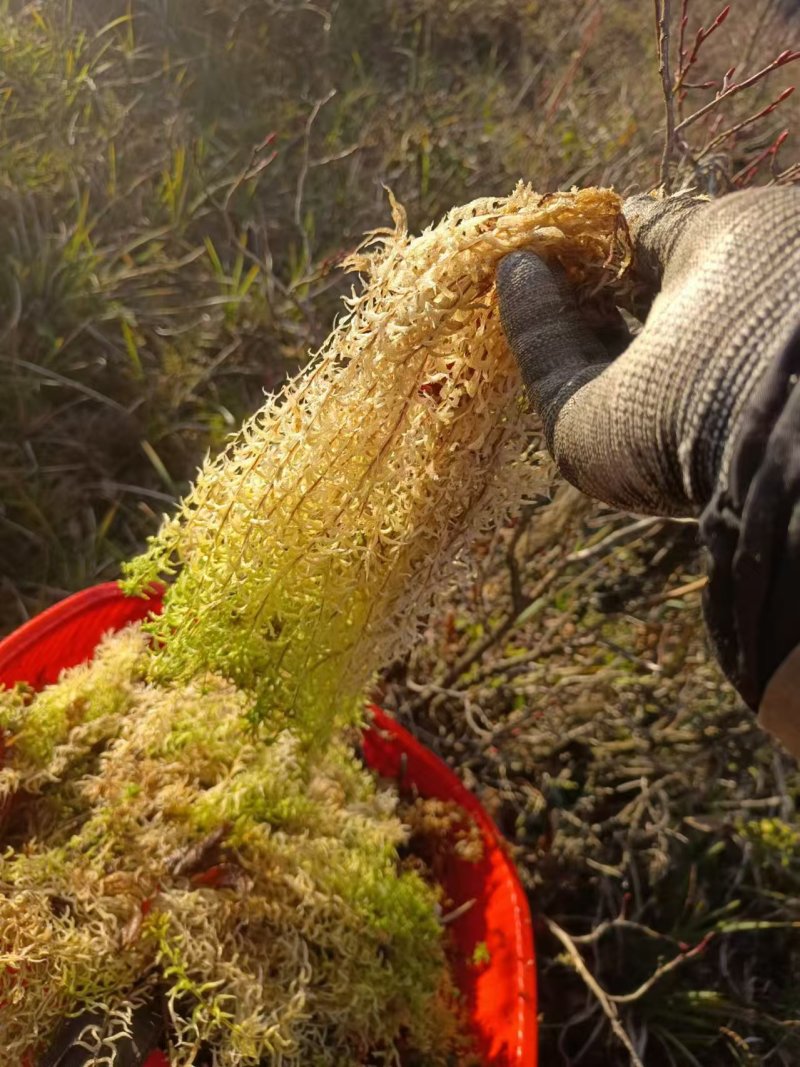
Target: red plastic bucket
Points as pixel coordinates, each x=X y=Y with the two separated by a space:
x=499 y=984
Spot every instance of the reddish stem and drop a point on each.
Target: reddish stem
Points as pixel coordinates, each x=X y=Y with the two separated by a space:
x=746 y=174
x=781 y=60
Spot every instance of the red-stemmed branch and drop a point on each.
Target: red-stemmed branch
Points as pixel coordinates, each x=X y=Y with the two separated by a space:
x=730 y=89
x=738 y=126
x=678 y=82
x=748 y=172
x=685 y=63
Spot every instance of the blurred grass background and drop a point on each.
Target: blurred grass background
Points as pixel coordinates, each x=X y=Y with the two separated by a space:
x=178 y=181
x=179 y=178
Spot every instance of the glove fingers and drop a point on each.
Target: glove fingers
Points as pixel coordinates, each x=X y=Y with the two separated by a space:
x=556 y=351
x=656 y=227
x=582 y=396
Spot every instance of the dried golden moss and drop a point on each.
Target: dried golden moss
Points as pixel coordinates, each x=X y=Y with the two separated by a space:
x=308 y=551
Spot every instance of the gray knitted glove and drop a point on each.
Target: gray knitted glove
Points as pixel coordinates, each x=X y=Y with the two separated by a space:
x=653 y=430
x=700 y=415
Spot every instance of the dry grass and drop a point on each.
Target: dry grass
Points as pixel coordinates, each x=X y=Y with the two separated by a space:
x=655 y=824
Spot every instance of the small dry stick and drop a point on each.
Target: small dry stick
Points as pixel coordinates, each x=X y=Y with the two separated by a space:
x=613 y=539
x=685 y=64
x=662 y=12
x=791 y=174
x=618 y=924
x=660 y=972
x=303 y=175
x=675 y=594
x=609 y=1008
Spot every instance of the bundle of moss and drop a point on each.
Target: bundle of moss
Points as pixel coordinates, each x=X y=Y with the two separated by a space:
x=310 y=548
x=151 y=851
x=305 y=555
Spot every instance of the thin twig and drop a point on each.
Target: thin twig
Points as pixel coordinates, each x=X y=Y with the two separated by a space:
x=781 y=60
x=456 y=913
x=662 y=12
x=739 y=126
x=743 y=176
x=336 y=157
x=69 y=383
x=702 y=35
x=660 y=972
x=674 y=594
x=609 y=1008
x=791 y=174
x=683 y=23
x=619 y=924
x=301 y=178
x=613 y=538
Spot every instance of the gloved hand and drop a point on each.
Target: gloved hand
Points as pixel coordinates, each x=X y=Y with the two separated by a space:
x=700 y=414
x=652 y=431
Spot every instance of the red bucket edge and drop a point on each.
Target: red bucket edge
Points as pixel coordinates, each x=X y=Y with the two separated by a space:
x=501 y=991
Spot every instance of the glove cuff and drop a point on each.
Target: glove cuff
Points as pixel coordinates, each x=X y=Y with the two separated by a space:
x=751 y=528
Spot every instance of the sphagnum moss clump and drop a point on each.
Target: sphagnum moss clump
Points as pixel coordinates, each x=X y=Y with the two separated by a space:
x=156 y=844
x=256 y=890
x=310 y=548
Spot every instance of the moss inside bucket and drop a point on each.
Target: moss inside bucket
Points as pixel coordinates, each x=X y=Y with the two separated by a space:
x=151 y=848
x=184 y=818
